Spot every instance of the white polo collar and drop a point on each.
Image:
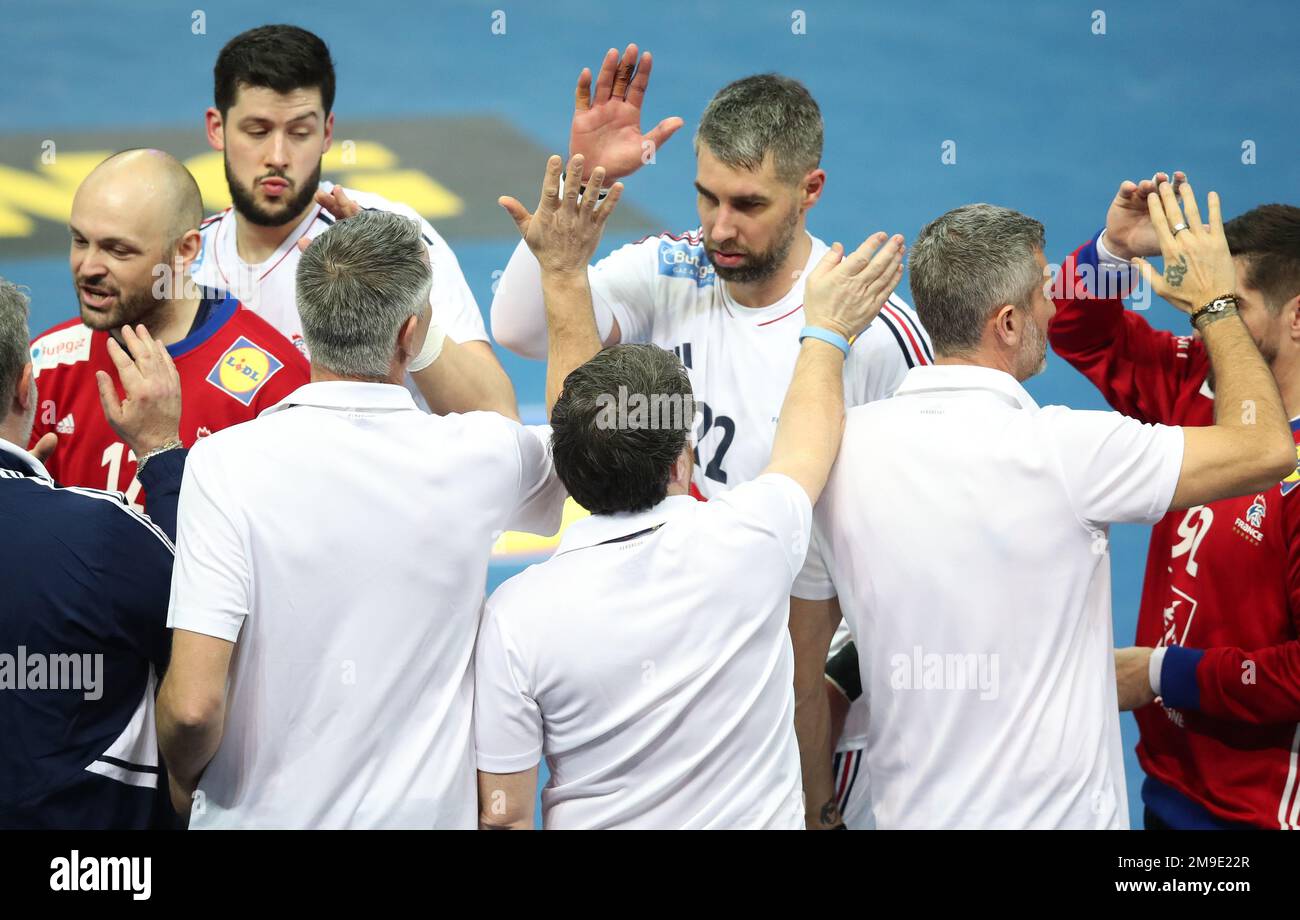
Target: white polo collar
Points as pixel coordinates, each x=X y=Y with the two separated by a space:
x=938 y=378
x=16 y=455
x=348 y=394
x=605 y=528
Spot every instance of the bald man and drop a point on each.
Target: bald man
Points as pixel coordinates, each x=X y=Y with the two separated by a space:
x=135 y=235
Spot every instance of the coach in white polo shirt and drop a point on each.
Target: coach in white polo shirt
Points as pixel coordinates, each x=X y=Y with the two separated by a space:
x=964 y=530
x=331 y=561
x=649 y=660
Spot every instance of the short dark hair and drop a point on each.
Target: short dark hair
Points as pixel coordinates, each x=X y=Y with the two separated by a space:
x=1268 y=238
x=280 y=57
x=766 y=113
x=610 y=458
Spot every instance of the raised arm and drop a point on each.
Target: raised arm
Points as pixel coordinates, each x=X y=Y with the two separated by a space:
x=1138 y=369
x=843 y=295
x=562 y=235
x=1249 y=447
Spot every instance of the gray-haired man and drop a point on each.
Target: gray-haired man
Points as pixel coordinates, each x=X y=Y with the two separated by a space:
x=727 y=296
x=964 y=529
x=341 y=541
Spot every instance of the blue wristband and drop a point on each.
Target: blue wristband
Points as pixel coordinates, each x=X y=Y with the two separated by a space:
x=825 y=335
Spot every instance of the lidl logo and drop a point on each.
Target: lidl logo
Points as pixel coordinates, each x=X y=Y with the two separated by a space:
x=243 y=370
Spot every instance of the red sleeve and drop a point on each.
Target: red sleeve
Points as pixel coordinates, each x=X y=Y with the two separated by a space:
x=1263 y=685
x=1137 y=368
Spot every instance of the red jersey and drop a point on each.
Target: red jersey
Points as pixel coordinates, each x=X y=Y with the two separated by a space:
x=231 y=368
x=1222 y=590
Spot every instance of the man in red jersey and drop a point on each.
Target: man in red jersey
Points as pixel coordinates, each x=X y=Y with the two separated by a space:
x=1215 y=676
x=134 y=229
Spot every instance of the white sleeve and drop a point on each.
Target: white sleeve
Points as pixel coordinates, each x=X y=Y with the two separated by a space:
x=211 y=582
x=454 y=308
x=507 y=720
x=623 y=283
x=814 y=580
x=773 y=505
x=539 y=500
x=518 y=312
x=1117 y=470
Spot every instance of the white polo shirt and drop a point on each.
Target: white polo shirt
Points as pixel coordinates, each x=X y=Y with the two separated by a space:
x=342 y=539
x=649 y=661
x=964 y=531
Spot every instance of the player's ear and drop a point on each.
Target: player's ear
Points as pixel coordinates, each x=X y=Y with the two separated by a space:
x=25 y=394
x=406 y=342
x=1007 y=324
x=1291 y=310
x=188 y=248
x=813 y=185
x=215 y=126
x=329 y=132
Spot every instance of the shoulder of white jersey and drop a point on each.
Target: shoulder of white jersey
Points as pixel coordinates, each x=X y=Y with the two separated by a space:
x=369 y=201
x=210 y=224
x=678 y=256
x=904 y=333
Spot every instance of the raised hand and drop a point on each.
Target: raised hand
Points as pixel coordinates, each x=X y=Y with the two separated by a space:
x=564 y=231
x=1129 y=231
x=150 y=415
x=606 y=129
x=845 y=293
x=337 y=203
x=1198 y=264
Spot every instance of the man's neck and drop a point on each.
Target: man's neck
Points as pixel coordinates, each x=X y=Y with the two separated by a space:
x=758 y=294
x=255 y=243
x=171 y=322
x=978 y=359
x=319 y=374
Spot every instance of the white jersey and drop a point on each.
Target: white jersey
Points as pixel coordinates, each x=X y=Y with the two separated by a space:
x=663 y=290
x=649 y=662
x=268 y=289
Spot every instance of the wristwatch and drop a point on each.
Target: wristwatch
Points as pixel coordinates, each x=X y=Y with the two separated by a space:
x=1219 y=307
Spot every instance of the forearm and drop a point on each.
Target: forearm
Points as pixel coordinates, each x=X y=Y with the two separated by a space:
x=573 y=339
x=161 y=480
x=467 y=378
x=812 y=418
x=518 y=315
x=812 y=721
x=1260 y=686
x=1135 y=367
x=812 y=626
x=1246 y=398
x=188 y=745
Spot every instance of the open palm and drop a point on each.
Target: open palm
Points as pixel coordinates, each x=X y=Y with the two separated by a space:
x=606 y=127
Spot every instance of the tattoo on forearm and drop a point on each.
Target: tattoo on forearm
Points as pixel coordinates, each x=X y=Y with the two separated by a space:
x=830 y=814
x=1174 y=273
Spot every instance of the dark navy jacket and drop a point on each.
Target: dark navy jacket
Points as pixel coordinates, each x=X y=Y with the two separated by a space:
x=84 y=586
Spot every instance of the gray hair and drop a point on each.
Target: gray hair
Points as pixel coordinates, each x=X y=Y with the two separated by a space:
x=357 y=284
x=14 y=338
x=755 y=115
x=967 y=263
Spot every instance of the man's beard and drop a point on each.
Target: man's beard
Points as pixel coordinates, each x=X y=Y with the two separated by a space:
x=246 y=204
x=1034 y=354
x=758 y=266
x=132 y=307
